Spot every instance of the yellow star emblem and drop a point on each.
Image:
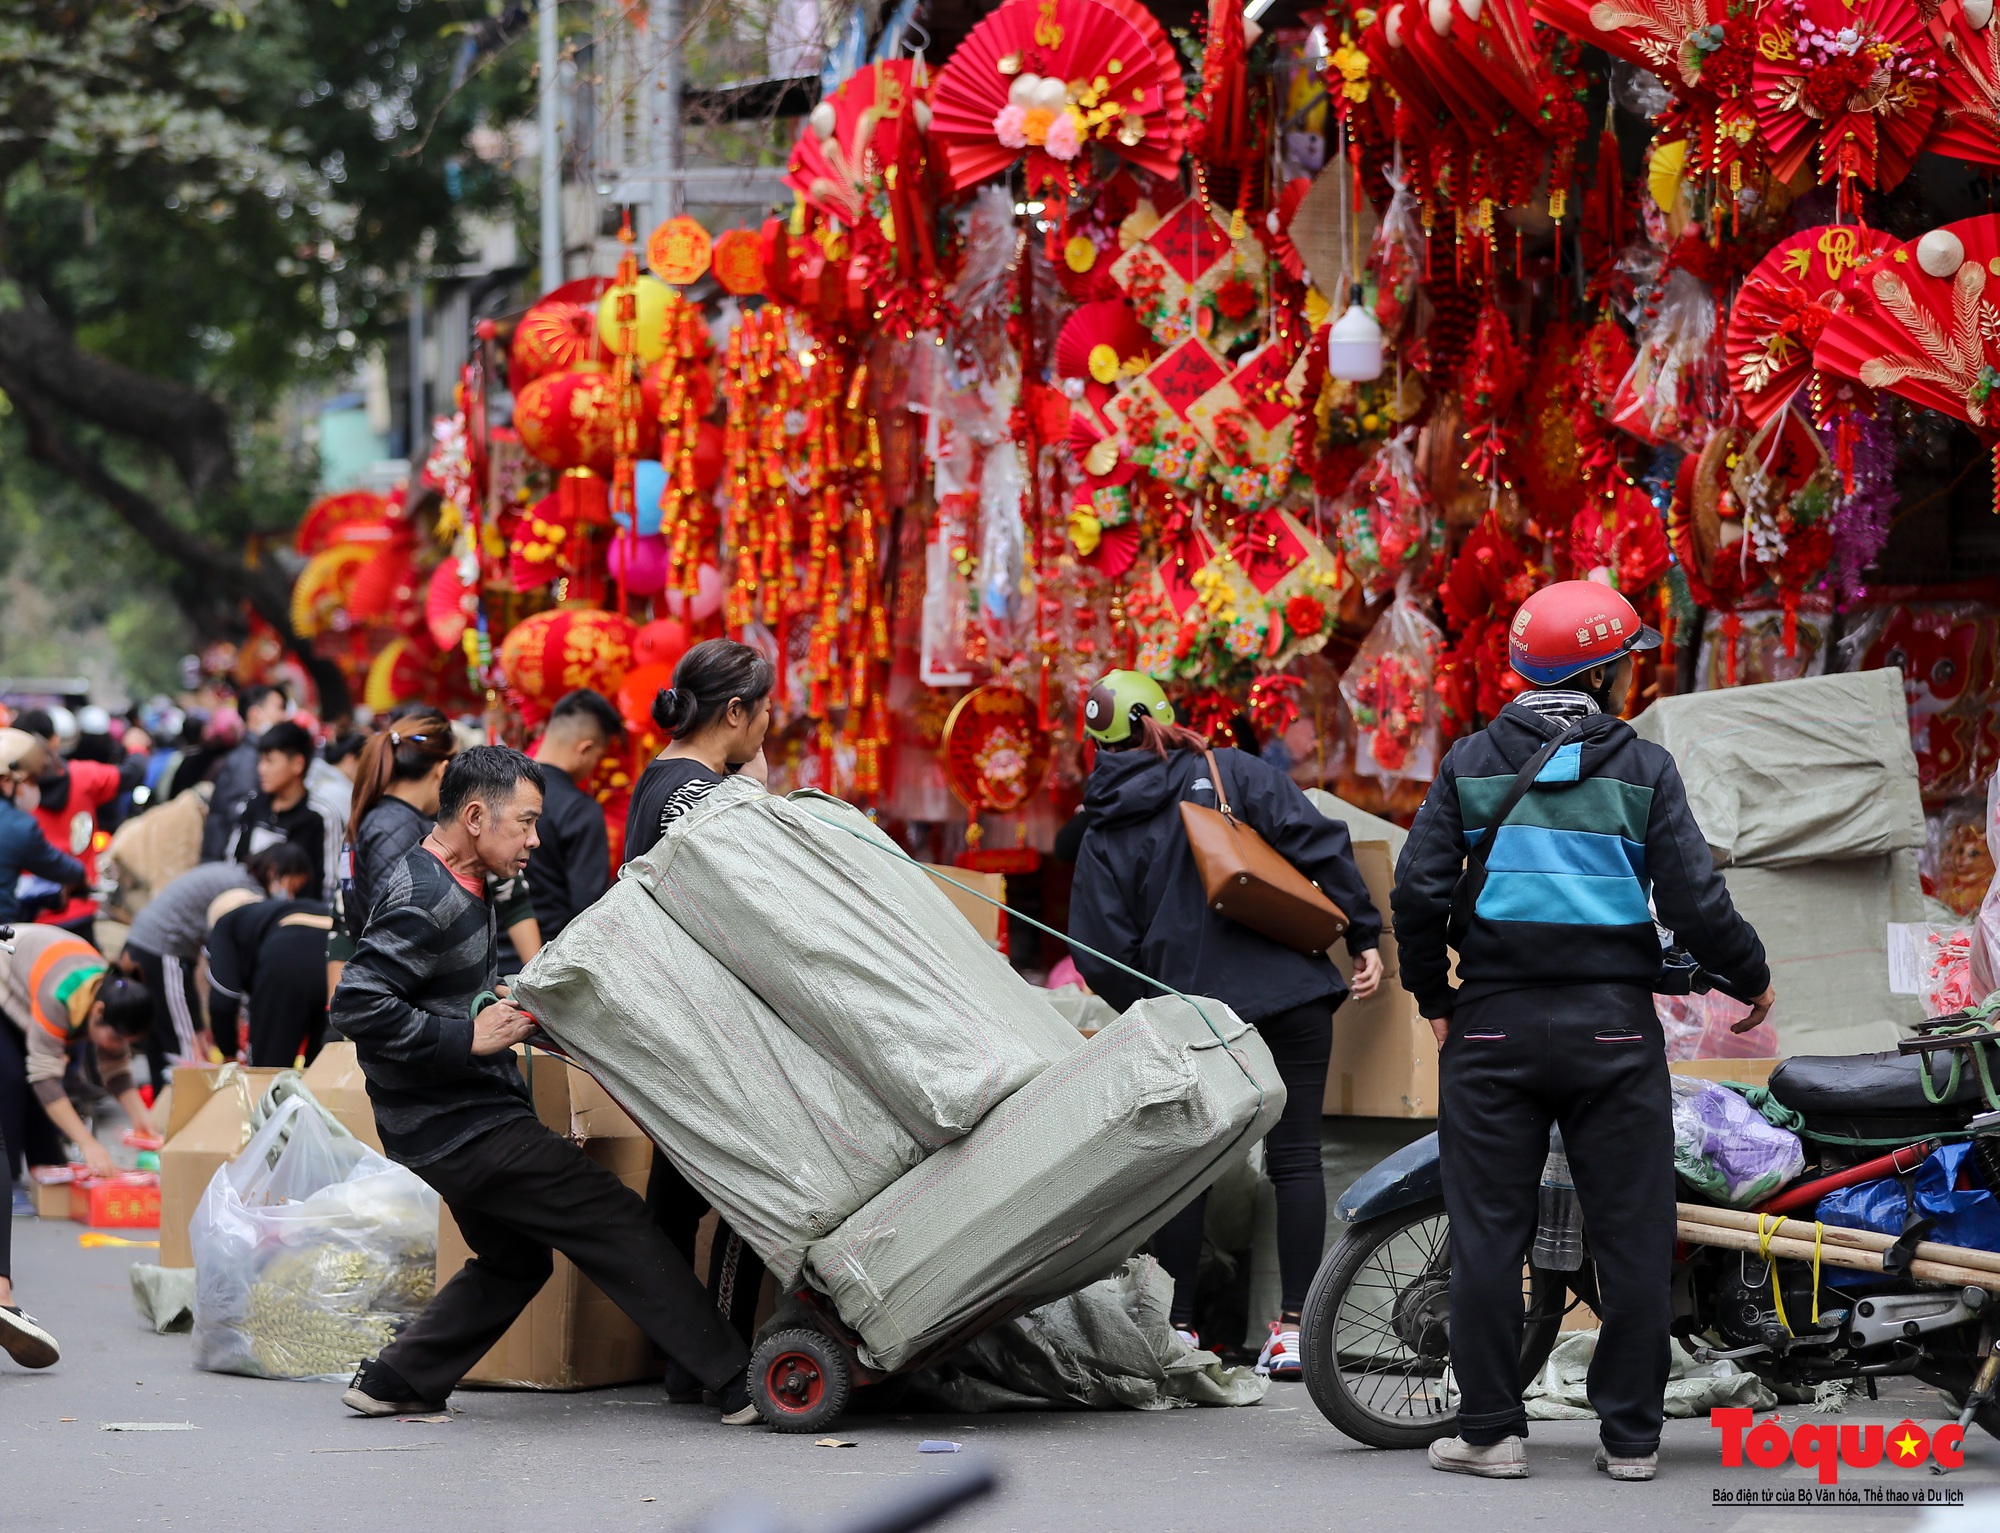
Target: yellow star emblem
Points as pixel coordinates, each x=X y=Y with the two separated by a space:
x=1905 y=1446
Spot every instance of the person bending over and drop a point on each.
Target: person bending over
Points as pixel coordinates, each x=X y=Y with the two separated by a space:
x=271 y=956
x=437 y=1048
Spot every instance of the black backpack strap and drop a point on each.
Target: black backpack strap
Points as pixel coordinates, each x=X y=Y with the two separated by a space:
x=1473 y=879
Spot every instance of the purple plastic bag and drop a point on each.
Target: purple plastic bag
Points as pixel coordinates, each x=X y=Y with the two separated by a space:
x=1723 y=1146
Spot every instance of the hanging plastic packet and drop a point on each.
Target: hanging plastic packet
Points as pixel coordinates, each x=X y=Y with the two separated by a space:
x=1658 y=400
x=1391 y=689
x=1388 y=525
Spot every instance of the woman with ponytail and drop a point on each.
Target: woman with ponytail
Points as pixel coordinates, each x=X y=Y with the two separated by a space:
x=395 y=805
x=716 y=712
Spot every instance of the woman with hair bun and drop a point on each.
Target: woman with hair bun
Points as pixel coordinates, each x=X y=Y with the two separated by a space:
x=716 y=712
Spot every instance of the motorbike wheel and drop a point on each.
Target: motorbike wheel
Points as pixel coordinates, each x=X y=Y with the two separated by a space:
x=1376 y=1329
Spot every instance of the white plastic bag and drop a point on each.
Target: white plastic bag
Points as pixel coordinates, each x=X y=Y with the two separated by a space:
x=311 y=1252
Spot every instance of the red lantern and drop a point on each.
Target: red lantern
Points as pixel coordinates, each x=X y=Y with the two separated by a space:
x=570 y=420
x=552 y=653
x=586 y=498
x=707 y=456
x=661 y=642
x=559 y=335
x=636 y=693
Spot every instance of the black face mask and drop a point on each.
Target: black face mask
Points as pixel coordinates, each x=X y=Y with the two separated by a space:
x=55 y=790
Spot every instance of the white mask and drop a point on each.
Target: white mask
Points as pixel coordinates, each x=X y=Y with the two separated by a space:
x=28 y=797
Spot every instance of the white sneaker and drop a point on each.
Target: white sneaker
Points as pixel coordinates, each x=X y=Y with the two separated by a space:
x=1188 y=1335
x=1281 y=1358
x=25 y=1341
x=1505 y=1460
x=1641 y=1468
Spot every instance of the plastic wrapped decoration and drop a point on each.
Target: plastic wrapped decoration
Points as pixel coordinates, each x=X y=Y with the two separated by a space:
x=1699 y=1026
x=1390 y=689
x=1725 y=1149
x=1660 y=398
x=1983 y=958
x=1956 y=866
x=1949 y=654
x=1387 y=526
x=1760 y=641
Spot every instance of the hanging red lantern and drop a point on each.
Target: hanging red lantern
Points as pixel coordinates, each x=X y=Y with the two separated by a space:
x=570 y=420
x=553 y=653
x=559 y=335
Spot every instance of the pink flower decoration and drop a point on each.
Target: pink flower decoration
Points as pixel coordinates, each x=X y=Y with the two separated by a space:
x=1010 y=126
x=1062 y=142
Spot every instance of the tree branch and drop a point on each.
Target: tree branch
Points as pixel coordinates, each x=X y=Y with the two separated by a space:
x=187 y=425
x=268 y=596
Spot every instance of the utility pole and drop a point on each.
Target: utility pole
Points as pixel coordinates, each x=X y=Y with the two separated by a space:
x=549 y=51
x=665 y=147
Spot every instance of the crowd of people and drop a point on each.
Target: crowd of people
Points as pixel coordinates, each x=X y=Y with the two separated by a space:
x=385 y=887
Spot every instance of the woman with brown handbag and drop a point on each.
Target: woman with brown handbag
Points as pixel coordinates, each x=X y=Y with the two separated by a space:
x=1178 y=834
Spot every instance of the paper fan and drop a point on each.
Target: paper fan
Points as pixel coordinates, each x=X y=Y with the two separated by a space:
x=352 y=516
x=1917 y=323
x=1784 y=305
x=1857 y=84
x=446 y=611
x=1103 y=344
x=867 y=125
x=1049 y=77
x=1654 y=34
x=1968 y=123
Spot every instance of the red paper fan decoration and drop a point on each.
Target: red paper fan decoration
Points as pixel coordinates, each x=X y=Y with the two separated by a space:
x=1654 y=34
x=1280 y=224
x=1968 y=123
x=873 y=127
x=1116 y=552
x=353 y=516
x=1050 y=77
x=1783 y=307
x=1103 y=344
x=557 y=335
x=447 y=610
x=1856 y=82
x=1917 y=322
x=383 y=587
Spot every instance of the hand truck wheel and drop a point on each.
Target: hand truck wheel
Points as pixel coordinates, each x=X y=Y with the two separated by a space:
x=799 y=1380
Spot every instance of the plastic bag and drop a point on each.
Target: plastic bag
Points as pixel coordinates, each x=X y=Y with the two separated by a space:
x=1391 y=689
x=1944 y=978
x=1669 y=388
x=1698 y=1027
x=1723 y=1146
x=1949 y=654
x=1956 y=862
x=1949 y=1186
x=1984 y=964
x=310 y=1253
x=1387 y=523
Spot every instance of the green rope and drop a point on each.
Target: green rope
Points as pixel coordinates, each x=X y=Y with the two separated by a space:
x=1123 y=968
x=1976 y=1020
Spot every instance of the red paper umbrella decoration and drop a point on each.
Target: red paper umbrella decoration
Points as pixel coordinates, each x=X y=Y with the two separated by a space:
x=559 y=334
x=1968 y=126
x=1859 y=84
x=1049 y=78
x=353 y=516
x=1783 y=307
x=1918 y=323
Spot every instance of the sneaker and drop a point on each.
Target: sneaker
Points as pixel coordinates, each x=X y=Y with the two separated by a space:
x=738 y=1409
x=24 y=1203
x=1640 y=1467
x=1505 y=1460
x=378 y=1390
x=1188 y=1334
x=1281 y=1358
x=25 y=1341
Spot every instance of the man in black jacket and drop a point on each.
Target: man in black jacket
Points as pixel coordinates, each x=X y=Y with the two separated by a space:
x=1552 y=1018
x=571 y=869
x=417 y=998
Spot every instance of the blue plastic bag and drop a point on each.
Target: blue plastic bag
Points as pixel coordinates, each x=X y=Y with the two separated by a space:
x=1967 y=1216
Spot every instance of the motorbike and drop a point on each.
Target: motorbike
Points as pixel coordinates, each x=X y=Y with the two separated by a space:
x=1377 y=1322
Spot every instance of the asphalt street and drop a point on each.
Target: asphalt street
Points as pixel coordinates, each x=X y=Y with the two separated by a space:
x=251 y=1454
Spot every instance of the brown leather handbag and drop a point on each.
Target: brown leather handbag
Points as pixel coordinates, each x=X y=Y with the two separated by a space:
x=1250 y=883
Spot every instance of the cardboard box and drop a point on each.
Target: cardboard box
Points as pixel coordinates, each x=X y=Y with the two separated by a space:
x=1750 y=1072
x=51 y=1184
x=336 y=1081
x=571 y=1336
x=127 y=1202
x=1385 y=1060
x=985 y=918
x=207 y=1141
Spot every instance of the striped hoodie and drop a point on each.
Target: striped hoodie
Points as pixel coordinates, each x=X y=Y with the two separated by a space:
x=1602 y=840
x=405 y=998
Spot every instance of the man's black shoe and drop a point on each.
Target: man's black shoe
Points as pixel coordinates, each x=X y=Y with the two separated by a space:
x=378 y=1390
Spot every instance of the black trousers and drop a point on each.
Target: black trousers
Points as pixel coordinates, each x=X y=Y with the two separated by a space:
x=1301 y=1042
x=25 y=1125
x=176 y=1011
x=1590 y=1058
x=735 y=1271
x=518 y=1191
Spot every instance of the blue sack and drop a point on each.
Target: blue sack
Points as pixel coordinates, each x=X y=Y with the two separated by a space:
x=1968 y=1216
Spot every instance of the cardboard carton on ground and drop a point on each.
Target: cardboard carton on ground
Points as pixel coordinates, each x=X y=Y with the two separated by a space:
x=51 y=1184
x=336 y=1082
x=571 y=1336
x=206 y=1141
x=985 y=918
x=1385 y=1060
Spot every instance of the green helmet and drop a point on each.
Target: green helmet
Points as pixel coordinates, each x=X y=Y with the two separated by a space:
x=1118 y=701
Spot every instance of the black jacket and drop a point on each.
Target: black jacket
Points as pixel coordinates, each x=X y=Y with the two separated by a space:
x=571 y=869
x=1605 y=825
x=1138 y=897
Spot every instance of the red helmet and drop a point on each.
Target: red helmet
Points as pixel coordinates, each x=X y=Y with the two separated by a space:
x=1569 y=627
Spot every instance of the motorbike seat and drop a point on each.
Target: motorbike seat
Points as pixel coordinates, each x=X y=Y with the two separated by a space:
x=1821 y=1085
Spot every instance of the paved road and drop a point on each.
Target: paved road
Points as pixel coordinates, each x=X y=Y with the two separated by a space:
x=286 y=1457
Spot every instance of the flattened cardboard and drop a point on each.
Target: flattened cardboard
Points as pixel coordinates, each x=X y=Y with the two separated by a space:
x=985 y=918
x=571 y=1336
x=1385 y=1060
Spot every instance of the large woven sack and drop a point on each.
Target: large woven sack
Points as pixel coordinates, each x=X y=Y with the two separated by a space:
x=151 y=850
x=780 y=1141
x=849 y=941
x=1055 y=1187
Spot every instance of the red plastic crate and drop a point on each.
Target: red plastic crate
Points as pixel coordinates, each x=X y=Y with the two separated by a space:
x=128 y=1202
